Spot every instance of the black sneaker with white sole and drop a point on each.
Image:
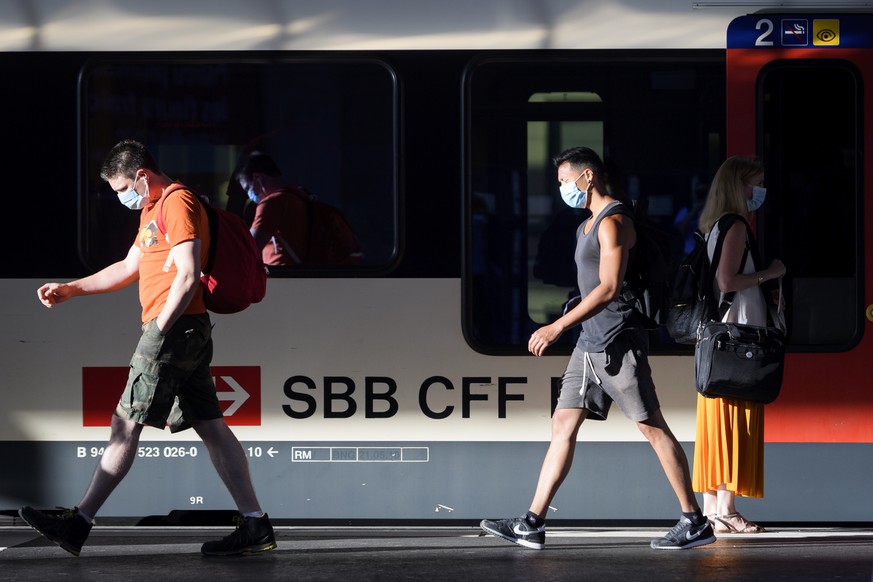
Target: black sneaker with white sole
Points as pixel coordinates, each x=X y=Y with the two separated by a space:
x=516 y=530
x=685 y=535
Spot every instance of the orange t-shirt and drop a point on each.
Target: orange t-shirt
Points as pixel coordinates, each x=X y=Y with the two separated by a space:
x=184 y=220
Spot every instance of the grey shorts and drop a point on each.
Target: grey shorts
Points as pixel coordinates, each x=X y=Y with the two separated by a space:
x=170 y=382
x=620 y=374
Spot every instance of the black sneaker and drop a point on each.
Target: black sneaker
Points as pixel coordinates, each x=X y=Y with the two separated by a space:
x=67 y=529
x=685 y=535
x=517 y=531
x=252 y=534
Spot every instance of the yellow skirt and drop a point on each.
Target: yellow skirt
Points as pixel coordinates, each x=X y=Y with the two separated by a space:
x=729 y=446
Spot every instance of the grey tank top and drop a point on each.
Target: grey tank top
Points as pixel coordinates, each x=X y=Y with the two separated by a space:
x=618 y=316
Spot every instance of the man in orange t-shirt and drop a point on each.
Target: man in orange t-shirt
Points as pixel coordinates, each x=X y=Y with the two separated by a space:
x=170 y=381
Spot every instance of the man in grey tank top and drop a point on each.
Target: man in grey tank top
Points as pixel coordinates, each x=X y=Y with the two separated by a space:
x=609 y=363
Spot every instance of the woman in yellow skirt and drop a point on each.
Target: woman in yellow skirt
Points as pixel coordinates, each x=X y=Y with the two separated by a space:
x=729 y=444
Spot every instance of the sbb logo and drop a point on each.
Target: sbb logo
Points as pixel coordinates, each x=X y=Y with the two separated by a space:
x=238 y=389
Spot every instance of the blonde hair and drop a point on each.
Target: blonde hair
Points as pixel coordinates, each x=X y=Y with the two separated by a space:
x=727 y=192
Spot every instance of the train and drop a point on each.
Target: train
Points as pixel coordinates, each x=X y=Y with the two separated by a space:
x=400 y=389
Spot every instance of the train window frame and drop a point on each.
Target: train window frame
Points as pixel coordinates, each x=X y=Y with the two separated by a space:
x=331 y=170
x=488 y=303
x=836 y=326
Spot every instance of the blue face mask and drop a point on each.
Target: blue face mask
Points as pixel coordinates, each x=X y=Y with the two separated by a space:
x=252 y=196
x=758 y=195
x=131 y=199
x=572 y=195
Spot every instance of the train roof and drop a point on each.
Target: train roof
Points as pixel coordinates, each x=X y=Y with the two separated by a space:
x=111 y=25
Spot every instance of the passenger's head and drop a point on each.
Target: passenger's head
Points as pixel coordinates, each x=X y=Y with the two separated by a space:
x=128 y=169
x=731 y=189
x=574 y=164
x=125 y=159
x=580 y=159
x=256 y=163
x=257 y=174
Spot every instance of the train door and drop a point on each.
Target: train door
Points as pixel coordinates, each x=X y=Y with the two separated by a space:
x=799 y=96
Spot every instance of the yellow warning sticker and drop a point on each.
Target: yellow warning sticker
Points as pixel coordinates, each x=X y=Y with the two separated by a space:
x=825 y=32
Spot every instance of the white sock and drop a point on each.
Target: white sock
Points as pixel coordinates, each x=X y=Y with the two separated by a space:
x=257 y=514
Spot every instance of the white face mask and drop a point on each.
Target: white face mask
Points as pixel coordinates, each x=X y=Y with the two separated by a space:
x=758 y=195
x=252 y=196
x=572 y=195
x=133 y=200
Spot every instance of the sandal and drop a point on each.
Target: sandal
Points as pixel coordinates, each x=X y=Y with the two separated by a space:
x=736 y=523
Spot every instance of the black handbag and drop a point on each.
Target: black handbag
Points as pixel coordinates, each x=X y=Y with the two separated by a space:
x=743 y=362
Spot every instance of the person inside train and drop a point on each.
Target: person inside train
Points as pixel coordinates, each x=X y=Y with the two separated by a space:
x=290 y=226
x=609 y=363
x=729 y=442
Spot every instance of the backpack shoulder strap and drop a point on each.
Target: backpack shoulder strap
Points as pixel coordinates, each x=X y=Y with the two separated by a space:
x=622 y=209
x=211 y=217
x=619 y=208
x=724 y=224
x=162 y=226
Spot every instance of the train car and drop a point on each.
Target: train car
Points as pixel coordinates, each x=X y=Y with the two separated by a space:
x=400 y=388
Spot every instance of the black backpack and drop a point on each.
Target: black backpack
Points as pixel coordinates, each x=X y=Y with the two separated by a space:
x=692 y=299
x=646 y=281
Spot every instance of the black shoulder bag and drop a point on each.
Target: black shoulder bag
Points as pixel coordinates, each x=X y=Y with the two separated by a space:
x=739 y=361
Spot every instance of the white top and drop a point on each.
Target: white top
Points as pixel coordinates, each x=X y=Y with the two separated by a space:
x=748 y=306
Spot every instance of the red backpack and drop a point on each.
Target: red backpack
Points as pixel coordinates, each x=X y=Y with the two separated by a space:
x=234 y=276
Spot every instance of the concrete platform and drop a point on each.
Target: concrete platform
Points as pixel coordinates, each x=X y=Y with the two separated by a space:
x=440 y=553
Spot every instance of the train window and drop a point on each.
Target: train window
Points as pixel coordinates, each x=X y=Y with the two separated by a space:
x=658 y=122
x=549 y=281
x=812 y=219
x=330 y=125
